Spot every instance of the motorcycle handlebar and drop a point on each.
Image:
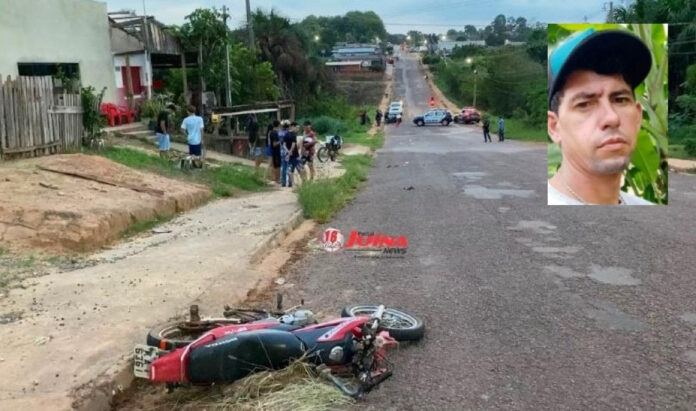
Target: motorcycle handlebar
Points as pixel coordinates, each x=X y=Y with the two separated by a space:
x=377 y=316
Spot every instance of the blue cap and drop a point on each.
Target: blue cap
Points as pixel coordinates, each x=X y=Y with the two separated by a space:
x=605 y=51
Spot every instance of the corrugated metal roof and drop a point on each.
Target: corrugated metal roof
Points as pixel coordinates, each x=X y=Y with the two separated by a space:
x=344 y=63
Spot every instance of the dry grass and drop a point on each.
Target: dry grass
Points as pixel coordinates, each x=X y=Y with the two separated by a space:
x=295 y=388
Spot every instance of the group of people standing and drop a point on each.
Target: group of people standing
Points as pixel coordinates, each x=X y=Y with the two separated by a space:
x=286 y=155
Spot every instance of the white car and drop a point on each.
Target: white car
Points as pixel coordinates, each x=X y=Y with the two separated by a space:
x=395 y=108
x=395 y=104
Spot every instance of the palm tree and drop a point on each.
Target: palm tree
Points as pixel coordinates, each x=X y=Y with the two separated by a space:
x=281 y=44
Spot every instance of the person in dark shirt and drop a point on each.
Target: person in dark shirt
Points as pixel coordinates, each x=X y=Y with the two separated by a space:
x=162 y=133
x=274 y=142
x=486 y=130
x=293 y=154
x=252 y=127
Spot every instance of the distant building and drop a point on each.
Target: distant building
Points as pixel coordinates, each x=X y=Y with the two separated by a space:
x=348 y=66
x=514 y=43
x=447 y=46
x=370 y=53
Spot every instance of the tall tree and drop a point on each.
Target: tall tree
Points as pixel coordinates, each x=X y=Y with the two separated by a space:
x=284 y=46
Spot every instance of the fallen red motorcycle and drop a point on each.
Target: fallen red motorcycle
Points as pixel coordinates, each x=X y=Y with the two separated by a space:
x=354 y=344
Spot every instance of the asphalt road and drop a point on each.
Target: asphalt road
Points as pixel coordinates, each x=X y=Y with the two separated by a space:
x=527 y=306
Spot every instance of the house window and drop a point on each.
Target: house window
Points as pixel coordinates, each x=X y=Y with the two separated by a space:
x=71 y=70
x=119 y=78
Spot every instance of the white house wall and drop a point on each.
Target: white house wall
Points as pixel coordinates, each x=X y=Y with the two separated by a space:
x=136 y=60
x=58 y=31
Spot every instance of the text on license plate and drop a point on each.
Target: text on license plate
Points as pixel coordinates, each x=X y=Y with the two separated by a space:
x=143 y=356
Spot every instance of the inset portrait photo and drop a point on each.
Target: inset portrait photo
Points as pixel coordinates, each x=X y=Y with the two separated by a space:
x=607 y=116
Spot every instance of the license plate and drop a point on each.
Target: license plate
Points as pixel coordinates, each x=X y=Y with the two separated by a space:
x=143 y=356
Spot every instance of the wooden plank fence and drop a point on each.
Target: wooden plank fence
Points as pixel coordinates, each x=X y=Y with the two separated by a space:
x=34 y=121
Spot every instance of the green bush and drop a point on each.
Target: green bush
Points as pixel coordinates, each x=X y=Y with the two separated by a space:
x=690 y=147
x=151 y=108
x=679 y=134
x=330 y=105
x=92 y=120
x=328 y=125
x=431 y=60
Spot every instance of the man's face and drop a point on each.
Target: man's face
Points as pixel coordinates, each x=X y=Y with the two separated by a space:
x=597 y=123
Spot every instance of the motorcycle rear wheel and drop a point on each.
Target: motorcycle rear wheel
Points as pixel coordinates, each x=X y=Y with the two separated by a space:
x=177 y=334
x=401 y=325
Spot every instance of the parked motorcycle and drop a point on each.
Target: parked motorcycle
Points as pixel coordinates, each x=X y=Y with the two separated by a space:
x=356 y=343
x=330 y=149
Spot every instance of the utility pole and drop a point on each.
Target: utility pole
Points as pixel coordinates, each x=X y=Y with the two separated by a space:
x=225 y=16
x=474 y=88
x=250 y=27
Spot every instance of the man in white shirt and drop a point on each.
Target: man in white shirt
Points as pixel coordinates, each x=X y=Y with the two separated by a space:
x=594 y=116
x=193 y=127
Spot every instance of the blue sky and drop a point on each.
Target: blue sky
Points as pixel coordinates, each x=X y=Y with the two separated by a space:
x=434 y=16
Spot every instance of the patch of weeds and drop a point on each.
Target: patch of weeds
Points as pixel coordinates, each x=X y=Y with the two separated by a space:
x=322 y=199
x=27 y=262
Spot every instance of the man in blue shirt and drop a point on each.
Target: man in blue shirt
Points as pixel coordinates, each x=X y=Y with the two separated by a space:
x=501 y=129
x=193 y=126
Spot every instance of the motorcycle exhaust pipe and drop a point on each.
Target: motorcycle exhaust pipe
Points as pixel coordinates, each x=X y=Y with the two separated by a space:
x=325 y=372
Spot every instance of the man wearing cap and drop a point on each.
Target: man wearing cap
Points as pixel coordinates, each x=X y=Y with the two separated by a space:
x=594 y=116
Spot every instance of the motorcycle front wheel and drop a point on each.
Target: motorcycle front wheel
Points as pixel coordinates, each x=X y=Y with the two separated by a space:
x=323 y=154
x=401 y=325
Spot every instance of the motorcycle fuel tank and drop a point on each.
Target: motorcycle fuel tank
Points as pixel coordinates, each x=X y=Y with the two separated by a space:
x=231 y=358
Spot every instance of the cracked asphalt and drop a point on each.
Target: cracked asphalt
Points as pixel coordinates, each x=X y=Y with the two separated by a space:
x=527 y=307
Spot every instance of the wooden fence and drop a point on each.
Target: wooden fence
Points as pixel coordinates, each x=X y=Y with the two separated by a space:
x=34 y=121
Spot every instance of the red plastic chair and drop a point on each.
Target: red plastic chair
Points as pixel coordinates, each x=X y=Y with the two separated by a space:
x=127 y=114
x=110 y=111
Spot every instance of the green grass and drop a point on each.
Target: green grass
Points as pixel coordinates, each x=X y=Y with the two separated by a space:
x=678 y=151
x=362 y=138
x=223 y=181
x=516 y=129
x=322 y=199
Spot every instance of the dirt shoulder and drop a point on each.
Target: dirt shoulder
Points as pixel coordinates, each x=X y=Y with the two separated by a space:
x=78 y=203
x=682 y=165
x=68 y=342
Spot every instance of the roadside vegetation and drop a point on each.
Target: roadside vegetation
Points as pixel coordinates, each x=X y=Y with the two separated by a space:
x=322 y=199
x=510 y=80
